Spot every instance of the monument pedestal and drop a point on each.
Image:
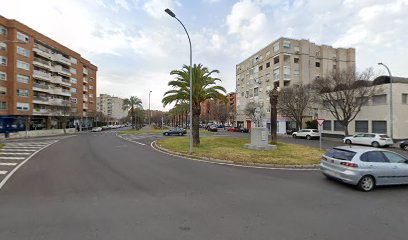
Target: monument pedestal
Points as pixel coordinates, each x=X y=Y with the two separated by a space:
x=259 y=139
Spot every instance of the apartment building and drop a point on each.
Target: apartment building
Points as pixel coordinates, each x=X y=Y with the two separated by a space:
x=111 y=108
x=42 y=81
x=217 y=110
x=282 y=63
x=374 y=116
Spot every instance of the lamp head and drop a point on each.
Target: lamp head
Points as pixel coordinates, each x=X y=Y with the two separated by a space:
x=168 y=11
x=380 y=63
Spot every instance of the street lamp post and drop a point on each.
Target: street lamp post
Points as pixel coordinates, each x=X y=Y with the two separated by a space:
x=149 y=108
x=391 y=107
x=168 y=11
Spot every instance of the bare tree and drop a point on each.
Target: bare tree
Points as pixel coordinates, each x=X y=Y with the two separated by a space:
x=344 y=93
x=294 y=101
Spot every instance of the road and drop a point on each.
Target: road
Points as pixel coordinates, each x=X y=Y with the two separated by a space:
x=97 y=186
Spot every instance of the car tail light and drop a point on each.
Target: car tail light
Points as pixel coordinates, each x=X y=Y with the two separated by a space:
x=349 y=164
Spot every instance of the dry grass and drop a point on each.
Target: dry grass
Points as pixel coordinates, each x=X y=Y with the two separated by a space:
x=227 y=148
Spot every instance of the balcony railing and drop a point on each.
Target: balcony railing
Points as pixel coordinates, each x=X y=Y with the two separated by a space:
x=85 y=80
x=42 y=86
x=85 y=71
x=41 y=98
x=62 y=70
x=42 y=62
x=60 y=58
x=41 y=111
x=42 y=51
x=42 y=75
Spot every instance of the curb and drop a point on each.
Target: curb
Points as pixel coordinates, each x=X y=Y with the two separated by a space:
x=312 y=167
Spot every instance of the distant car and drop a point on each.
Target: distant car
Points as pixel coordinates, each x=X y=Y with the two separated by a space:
x=96 y=129
x=404 y=145
x=213 y=128
x=370 y=139
x=365 y=167
x=306 y=133
x=175 y=131
x=232 y=129
x=290 y=131
x=105 y=127
x=243 y=130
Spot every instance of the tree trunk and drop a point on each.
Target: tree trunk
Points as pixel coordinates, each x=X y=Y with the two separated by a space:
x=133 y=118
x=346 y=132
x=196 y=126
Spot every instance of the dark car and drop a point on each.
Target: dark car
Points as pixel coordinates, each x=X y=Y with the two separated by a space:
x=213 y=128
x=404 y=145
x=175 y=131
x=243 y=130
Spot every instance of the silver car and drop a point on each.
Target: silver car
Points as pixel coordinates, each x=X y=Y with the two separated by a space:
x=365 y=167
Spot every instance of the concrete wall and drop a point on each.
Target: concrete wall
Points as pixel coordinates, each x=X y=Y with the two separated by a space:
x=39 y=133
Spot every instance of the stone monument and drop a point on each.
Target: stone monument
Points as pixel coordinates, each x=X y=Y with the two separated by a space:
x=259 y=134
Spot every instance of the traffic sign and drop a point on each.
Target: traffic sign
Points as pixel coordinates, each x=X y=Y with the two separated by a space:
x=320 y=121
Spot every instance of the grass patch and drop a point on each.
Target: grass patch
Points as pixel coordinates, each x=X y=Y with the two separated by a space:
x=227 y=148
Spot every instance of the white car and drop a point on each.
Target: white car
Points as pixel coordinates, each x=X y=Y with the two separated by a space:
x=370 y=139
x=307 y=133
x=96 y=129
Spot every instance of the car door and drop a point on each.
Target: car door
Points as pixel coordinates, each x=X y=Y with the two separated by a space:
x=302 y=133
x=399 y=166
x=377 y=164
x=367 y=139
x=358 y=139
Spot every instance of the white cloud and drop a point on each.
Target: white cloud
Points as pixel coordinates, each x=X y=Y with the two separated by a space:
x=155 y=8
x=122 y=3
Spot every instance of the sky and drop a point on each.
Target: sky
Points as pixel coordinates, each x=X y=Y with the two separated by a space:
x=135 y=44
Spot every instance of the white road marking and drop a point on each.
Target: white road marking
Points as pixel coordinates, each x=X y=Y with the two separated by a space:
x=11 y=158
x=8 y=164
x=140 y=143
x=8 y=147
x=17 y=150
x=3 y=172
x=14 y=153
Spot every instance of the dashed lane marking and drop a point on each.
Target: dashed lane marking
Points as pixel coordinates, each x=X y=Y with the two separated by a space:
x=8 y=163
x=3 y=172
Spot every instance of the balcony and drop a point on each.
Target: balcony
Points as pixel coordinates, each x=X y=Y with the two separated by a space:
x=85 y=71
x=61 y=91
x=85 y=106
x=61 y=81
x=41 y=87
x=85 y=89
x=41 y=112
x=85 y=80
x=41 y=63
x=61 y=70
x=42 y=75
x=60 y=102
x=56 y=57
x=85 y=99
x=42 y=51
x=40 y=100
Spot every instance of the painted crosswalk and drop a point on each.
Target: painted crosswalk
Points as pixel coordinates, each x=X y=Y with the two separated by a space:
x=14 y=154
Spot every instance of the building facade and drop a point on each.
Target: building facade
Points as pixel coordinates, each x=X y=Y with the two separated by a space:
x=111 y=108
x=42 y=81
x=217 y=111
x=284 y=62
x=374 y=116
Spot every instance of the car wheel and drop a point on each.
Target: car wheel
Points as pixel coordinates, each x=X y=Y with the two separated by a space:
x=405 y=147
x=180 y=134
x=166 y=134
x=348 y=141
x=294 y=136
x=308 y=137
x=366 y=183
x=375 y=144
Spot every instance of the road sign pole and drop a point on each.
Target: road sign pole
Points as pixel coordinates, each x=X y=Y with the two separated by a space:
x=320 y=138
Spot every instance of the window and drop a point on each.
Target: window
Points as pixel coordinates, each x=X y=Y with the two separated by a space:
x=22 y=37
x=23 y=65
x=286 y=44
x=91 y=95
x=338 y=126
x=242 y=94
x=73 y=90
x=267 y=77
x=327 y=125
x=3 y=30
x=3 y=90
x=276 y=47
x=268 y=53
x=379 y=126
x=74 y=100
x=394 y=158
x=361 y=126
x=296 y=49
x=90 y=87
x=260 y=68
x=276 y=60
x=334 y=67
x=73 y=60
x=3 y=76
x=317 y=64
x=3 y=61
x=3 y=105
x=22 y=78
x=23 y=106
x=73 y=70
x=276 y=74
x=405 y=98
x=256 y=92
x=23 y=51
x=380 y=99
x=295 y=60
x=286 y=73
x=3 y=46
x=317 y=54
x=340 y=154
x=268 y=64
x=373 y=156
x=22 y=92
x=73 y=80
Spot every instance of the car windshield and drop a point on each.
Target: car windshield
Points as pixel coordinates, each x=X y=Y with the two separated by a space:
x=316 y=131
x=341 y=154
x=384 y=136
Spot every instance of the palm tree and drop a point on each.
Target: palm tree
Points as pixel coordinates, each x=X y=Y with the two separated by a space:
x=132 y=103
x=204 y=87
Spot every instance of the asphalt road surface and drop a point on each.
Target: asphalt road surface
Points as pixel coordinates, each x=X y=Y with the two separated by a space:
x=96 y=186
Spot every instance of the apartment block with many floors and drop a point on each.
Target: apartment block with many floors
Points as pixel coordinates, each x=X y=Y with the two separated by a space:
x=111 y=108
x=283 y=63
x=42 y=81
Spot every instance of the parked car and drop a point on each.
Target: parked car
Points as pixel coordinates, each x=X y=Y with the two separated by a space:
x=105 y=127
x=307 y=133
x=365 y=167
x=175 y=131
x=370 y=139
x=243 y=130
x=404 y=145
x=213 y=128
x=290 y=131
x=96 y=129
x=232 y=129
